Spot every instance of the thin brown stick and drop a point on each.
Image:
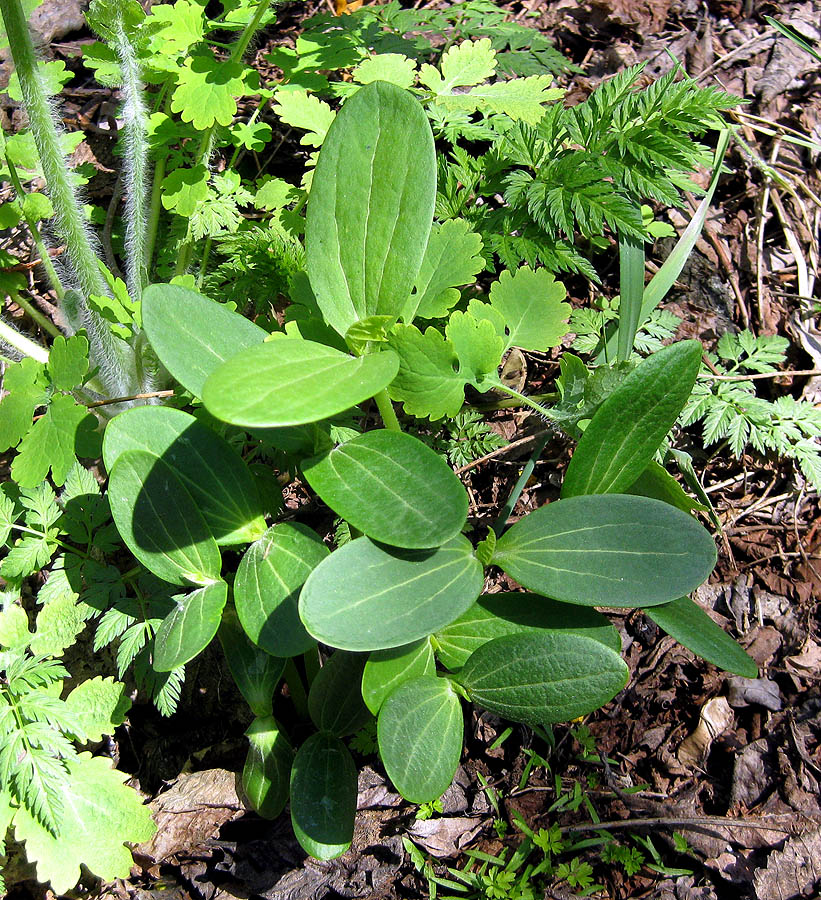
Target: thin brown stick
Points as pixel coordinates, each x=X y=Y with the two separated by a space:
x=149 y=396
x=500 y=450
x=677 y=821
x=794 y=373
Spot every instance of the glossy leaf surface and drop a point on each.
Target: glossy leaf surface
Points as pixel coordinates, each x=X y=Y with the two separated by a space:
x=191 y=334
x=367 y=596
x=385 y=670
x=542 y=678
x=210 y=469
x=190 y=627
x=628 y=428
x=323 y=796
x=608 y=550
x=391 y=487
x=420 y=731
x=255 y=672
x=496 y=615
x=159 y=521
x=335 y=700
x=687 y=622
x=371 y=206
x=290 y=381
x=266 y=589
x=266 y=775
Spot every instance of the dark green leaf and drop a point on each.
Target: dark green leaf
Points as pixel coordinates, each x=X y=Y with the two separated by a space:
x=189 y=627
x=323 y=796
x=160 y=522
x=371 y=207
x=267 y=585
x=255 y=672
x=420 y=737
x=541 y=678
x=290 y=381
x=690 y=625
x=628 y=428
x=655 y=481
x=267 y=771
x=385 y=670
x=335 y=701
x=211 y=470
x=393 y=488
x=191 y=334
x=367 y=596
x=608 y=550
x=495 y=615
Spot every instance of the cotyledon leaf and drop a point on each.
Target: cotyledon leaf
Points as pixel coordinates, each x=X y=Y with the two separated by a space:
x=290 y=381
x=266 y=589
x=160 y=522
x=266 y=775
x=189 y=627
x=335 y=701
x=385 y=670
x=495 y=615
x=539 y=678
x=191 y=334
x=420 y=731
x=391 y=487
x=212 y=471
x=366 y=596
x=607 y=550
x=255 y=672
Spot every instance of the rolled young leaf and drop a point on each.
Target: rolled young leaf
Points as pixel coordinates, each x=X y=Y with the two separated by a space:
x=323 y=796
x=191 y=334
x=266 y=589
x=255 y=672
x=266 y=775
x=542 y=678
x=385 y=670
x=420 y=731
x=290 y=381
x=367 y=596
x=160 y=522
x=212 y=471
x=684 y=620
x=391 y=487
x=371 y=206
x=335 y=701
x=189 y=627
x=607 y=550
x=495 y=615
x=628 y=428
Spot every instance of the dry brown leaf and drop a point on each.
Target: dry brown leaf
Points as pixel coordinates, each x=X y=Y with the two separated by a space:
x=794 y=871
x=445 y=836
x=716 y=717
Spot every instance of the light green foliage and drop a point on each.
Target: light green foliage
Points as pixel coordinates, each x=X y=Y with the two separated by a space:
x=218 y=212
x=468 y=438
x=100 y=705
x=189 y=627
x=391 y=67
x=206 y=91
x=385 y=670
x=306 y=112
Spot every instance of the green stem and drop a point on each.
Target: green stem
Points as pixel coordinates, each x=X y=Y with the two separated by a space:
x=43 y=321
x=513 y=499
x=20 y=342
x=386 y=410
x=296 y=687
x=154 y=211
x=522 y=398
x=51 y=540
x=550 y=397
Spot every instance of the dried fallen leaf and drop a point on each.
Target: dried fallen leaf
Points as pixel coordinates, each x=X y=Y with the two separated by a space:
x=445 y=836
x=792 y=872
x=716 y=717
x=743 y=692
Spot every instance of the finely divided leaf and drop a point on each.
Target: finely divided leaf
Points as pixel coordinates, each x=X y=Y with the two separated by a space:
x=391 y=487
x=608 y=550
x=367 y=596
x=543 y=678
x=420 y=737
x=306 y=112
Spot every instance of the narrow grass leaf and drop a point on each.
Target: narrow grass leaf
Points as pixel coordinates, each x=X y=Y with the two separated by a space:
x=631 y=290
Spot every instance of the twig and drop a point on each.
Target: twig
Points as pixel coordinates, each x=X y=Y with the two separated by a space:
x=147 y=396
x=500 y=450
x=677 y=821
x=793 y=373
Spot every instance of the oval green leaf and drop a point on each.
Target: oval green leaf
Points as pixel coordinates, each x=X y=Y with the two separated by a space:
x=190 y=627
x=542 y=678
x=367 y=596
x=212 y=471
x=266 y=775
x=420 y=731
x=496 y=615
x=687 y=622
x=266 y=589
x=159 y=521
x=255 y=672
x=391 y=487
x=289 y=381
x=628 y=428
x=385 y=670
x=371 y=208
x=323 y=796
x=335 y=700
x=608 y=550
x=191 y=334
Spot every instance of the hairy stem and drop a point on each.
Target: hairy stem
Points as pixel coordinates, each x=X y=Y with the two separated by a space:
x=21 y=343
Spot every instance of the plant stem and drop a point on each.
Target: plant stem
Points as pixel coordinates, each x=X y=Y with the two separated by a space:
x=43 y=321
x=386 y=410
x=147 y=395
x=794 y=373
x=20 y=342
x=513 y=499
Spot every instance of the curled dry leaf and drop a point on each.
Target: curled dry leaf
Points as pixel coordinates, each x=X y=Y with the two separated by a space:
x=716 y=717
